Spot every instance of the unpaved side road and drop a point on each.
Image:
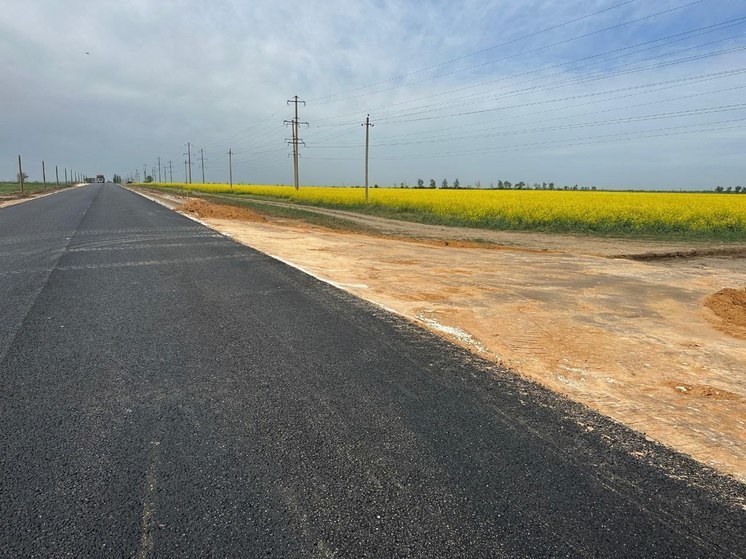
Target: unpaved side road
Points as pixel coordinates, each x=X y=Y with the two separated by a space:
x=631 y=339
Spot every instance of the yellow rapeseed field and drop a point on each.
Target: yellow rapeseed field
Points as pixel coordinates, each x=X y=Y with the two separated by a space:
x=642 y=213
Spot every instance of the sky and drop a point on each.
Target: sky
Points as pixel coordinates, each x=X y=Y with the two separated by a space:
x=607 y=93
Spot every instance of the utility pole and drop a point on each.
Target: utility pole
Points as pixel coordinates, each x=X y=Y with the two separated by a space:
x=144 y=172
x=230 y=166
x=295 y=124
x=186 y=173
x=20 y=173
x=65 y=176
x=202 y=157
x=170 y=171
x=189 y=160
x=159 y=169
x=44 y=175
x=57 y=175
x=367 y=125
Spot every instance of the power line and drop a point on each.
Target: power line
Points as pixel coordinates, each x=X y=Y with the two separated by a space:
x=594 y=98
x=580 y=140
x=635 y=135
x=599 y=75
x=482 y=51
x=726 y=73
x=564 y=83
x=533 y=51
x=561 y=117
x=625 y=120
x=676 y=37
x=222 y=141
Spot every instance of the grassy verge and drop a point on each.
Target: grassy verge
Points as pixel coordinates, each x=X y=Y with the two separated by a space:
x=14 y=189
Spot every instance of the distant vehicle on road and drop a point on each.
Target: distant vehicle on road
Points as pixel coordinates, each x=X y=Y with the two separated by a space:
x=100 y=178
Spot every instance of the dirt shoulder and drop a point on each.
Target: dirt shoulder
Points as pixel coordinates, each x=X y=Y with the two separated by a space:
x=632 y=339
x=612 y=247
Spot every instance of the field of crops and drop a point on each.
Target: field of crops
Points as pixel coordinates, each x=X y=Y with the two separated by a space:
x=15 y=188
x=637 y=213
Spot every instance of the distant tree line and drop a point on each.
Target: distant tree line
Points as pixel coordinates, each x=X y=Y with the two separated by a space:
x=500 y=185
x=523 y=185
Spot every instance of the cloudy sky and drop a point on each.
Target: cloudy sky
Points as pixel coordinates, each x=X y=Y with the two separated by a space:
x=607 y=93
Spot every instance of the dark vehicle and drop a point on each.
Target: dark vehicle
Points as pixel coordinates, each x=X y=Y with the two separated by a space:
x=100 y=178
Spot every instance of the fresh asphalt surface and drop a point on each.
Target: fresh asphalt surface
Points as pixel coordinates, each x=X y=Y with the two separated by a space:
x=166 y=392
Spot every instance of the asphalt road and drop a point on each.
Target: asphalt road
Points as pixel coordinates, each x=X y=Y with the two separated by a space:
x=166 y=392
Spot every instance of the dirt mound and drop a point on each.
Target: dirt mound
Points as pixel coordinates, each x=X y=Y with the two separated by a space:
x=200 y=208
x=730 y=306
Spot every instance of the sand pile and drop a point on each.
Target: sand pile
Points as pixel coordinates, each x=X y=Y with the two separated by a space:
x=730 y=307
x=201 y=209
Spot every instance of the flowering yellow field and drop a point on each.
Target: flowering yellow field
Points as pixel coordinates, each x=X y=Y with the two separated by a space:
x=646 y=213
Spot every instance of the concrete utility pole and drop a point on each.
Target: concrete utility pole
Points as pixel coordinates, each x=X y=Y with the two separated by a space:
x=186 y=173
x=170 y=171
x=144 y=172
x=159 y=170
x=57 y=175
x=44 y=175
x=189 y=160
x=202 y=157
x=20 y=172
x=230 y=166
x=295 y=124
x=367 y=125
x=66 y=176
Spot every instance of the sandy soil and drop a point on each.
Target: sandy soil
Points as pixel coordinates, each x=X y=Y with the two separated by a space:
x=5 y=202
x=657 y=344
